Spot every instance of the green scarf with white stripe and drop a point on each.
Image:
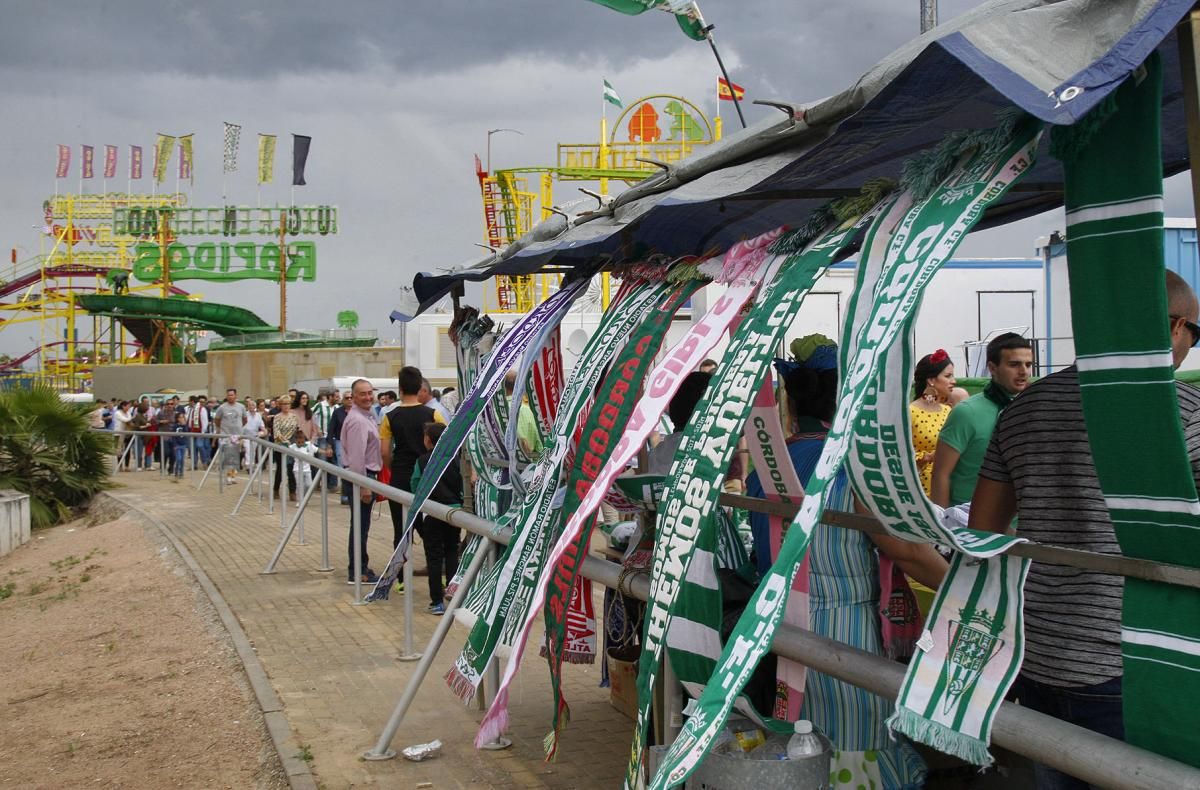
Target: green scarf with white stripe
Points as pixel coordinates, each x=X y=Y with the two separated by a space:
x=685 y=543
x=1113 y=166
x=963 y=178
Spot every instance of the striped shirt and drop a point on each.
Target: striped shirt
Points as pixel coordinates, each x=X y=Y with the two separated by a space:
x=1040 y=446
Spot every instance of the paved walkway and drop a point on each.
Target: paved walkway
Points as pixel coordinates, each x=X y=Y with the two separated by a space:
x=334 y=665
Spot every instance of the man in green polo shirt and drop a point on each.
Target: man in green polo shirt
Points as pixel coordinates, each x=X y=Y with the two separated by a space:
x=965 y=436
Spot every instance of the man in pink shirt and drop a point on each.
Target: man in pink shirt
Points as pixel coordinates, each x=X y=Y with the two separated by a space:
x=360 y=454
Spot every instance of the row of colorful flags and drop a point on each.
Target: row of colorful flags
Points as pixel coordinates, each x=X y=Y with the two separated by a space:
x=726 y=91
x=165 y=146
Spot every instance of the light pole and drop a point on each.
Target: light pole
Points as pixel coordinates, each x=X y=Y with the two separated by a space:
x=489 y=144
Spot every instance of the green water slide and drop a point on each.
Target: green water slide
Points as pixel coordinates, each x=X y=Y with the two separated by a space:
x=136 y=312
x=239 y=328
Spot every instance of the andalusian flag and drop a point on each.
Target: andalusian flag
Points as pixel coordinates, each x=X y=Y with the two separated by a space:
x=266 y=158
x=610 y=95
x=162 y=156
x=687 y=14
x=729 y=91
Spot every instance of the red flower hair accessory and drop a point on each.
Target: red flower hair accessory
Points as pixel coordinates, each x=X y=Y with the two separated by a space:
x=938 y=357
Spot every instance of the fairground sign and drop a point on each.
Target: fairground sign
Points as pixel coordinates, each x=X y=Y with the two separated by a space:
x=225 y=220
x=103 y=206
x=225 y=262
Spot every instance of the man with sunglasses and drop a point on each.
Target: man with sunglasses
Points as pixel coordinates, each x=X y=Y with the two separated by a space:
x=1039 y=468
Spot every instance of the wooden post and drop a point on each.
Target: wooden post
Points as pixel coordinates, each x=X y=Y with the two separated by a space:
x=1188 y=35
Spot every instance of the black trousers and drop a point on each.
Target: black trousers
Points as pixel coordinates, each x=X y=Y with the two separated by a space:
x=278 y=460
x=441 y=553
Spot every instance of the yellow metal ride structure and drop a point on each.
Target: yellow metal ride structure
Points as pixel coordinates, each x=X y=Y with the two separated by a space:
x=85 y=256
x=652 y=131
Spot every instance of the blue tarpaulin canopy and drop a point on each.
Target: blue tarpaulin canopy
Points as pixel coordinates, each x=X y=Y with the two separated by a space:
x=1054 y=59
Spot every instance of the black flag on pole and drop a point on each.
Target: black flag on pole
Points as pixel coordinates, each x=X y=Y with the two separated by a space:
x=300 y=143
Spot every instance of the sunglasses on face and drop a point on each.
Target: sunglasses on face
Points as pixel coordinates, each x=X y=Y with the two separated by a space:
x=1191 y=327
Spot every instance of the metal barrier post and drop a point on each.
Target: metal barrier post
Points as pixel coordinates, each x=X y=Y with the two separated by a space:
x=162 y=457
x=287 y=534
x=208 y=471
x=410 y=653
x=356 y=533
x=270 y=481
x=382 y=750
x=325 y=566
x=255 y=475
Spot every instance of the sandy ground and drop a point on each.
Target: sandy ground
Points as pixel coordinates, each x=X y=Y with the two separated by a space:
x=115 y=671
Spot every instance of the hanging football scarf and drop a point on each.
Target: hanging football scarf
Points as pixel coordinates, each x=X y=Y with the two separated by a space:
x=694 y=483
x=509 y=586
x=558 y=583
x=1115 y=259
x=924 y=237
x=548 y=381
x=769 y=453
x=974 y=649
x=511 y=414
x=504 y=353
x=746 y=266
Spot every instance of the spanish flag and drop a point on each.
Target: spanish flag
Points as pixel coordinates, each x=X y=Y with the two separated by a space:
x=724 y=92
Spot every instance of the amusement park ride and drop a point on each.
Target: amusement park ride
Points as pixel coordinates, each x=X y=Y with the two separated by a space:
x=652 y=131
x=107 y=293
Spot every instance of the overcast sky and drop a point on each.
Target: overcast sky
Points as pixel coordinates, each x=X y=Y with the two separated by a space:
x=397 y=97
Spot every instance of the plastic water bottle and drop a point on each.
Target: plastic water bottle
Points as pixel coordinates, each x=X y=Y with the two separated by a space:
x=804 y=743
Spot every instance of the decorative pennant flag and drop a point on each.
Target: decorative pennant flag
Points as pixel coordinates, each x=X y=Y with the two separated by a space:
x=162 y=155
x=729 y=91
x=110 y=161
x=135 y=162
x=64 y=161
x=610 y=95
x=185 y=158
x=266 y=158
x=89 y=156
x=233 y=139
x=300 y=144
x=686 y=12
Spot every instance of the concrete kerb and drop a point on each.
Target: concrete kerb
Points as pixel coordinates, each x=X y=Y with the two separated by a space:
x=297 y=770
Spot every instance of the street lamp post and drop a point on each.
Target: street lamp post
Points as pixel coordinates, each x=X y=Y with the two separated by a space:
x=489 y=144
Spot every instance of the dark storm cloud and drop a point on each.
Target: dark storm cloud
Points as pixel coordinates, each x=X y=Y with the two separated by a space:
x=810 y=47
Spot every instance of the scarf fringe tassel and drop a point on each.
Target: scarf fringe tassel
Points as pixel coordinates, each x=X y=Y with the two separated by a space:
x=460 y=686
x=940 y=737
x=495 y=723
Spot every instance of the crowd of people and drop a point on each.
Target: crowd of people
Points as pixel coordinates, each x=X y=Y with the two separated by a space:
x=202 y=431
x=1019 y=448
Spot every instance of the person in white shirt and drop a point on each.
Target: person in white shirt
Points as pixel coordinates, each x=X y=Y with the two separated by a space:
x=303 y=468
x=122 y=416
x=254 y=427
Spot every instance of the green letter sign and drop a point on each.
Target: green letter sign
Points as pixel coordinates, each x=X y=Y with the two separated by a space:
x=225 y=262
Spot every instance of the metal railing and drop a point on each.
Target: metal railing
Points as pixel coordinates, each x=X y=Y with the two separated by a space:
x=1095 y=758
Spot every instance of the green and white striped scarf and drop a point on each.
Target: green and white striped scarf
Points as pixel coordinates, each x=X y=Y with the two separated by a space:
x=1119 y=315
x=963 y=181
x=501 y=597
x=684 y=559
